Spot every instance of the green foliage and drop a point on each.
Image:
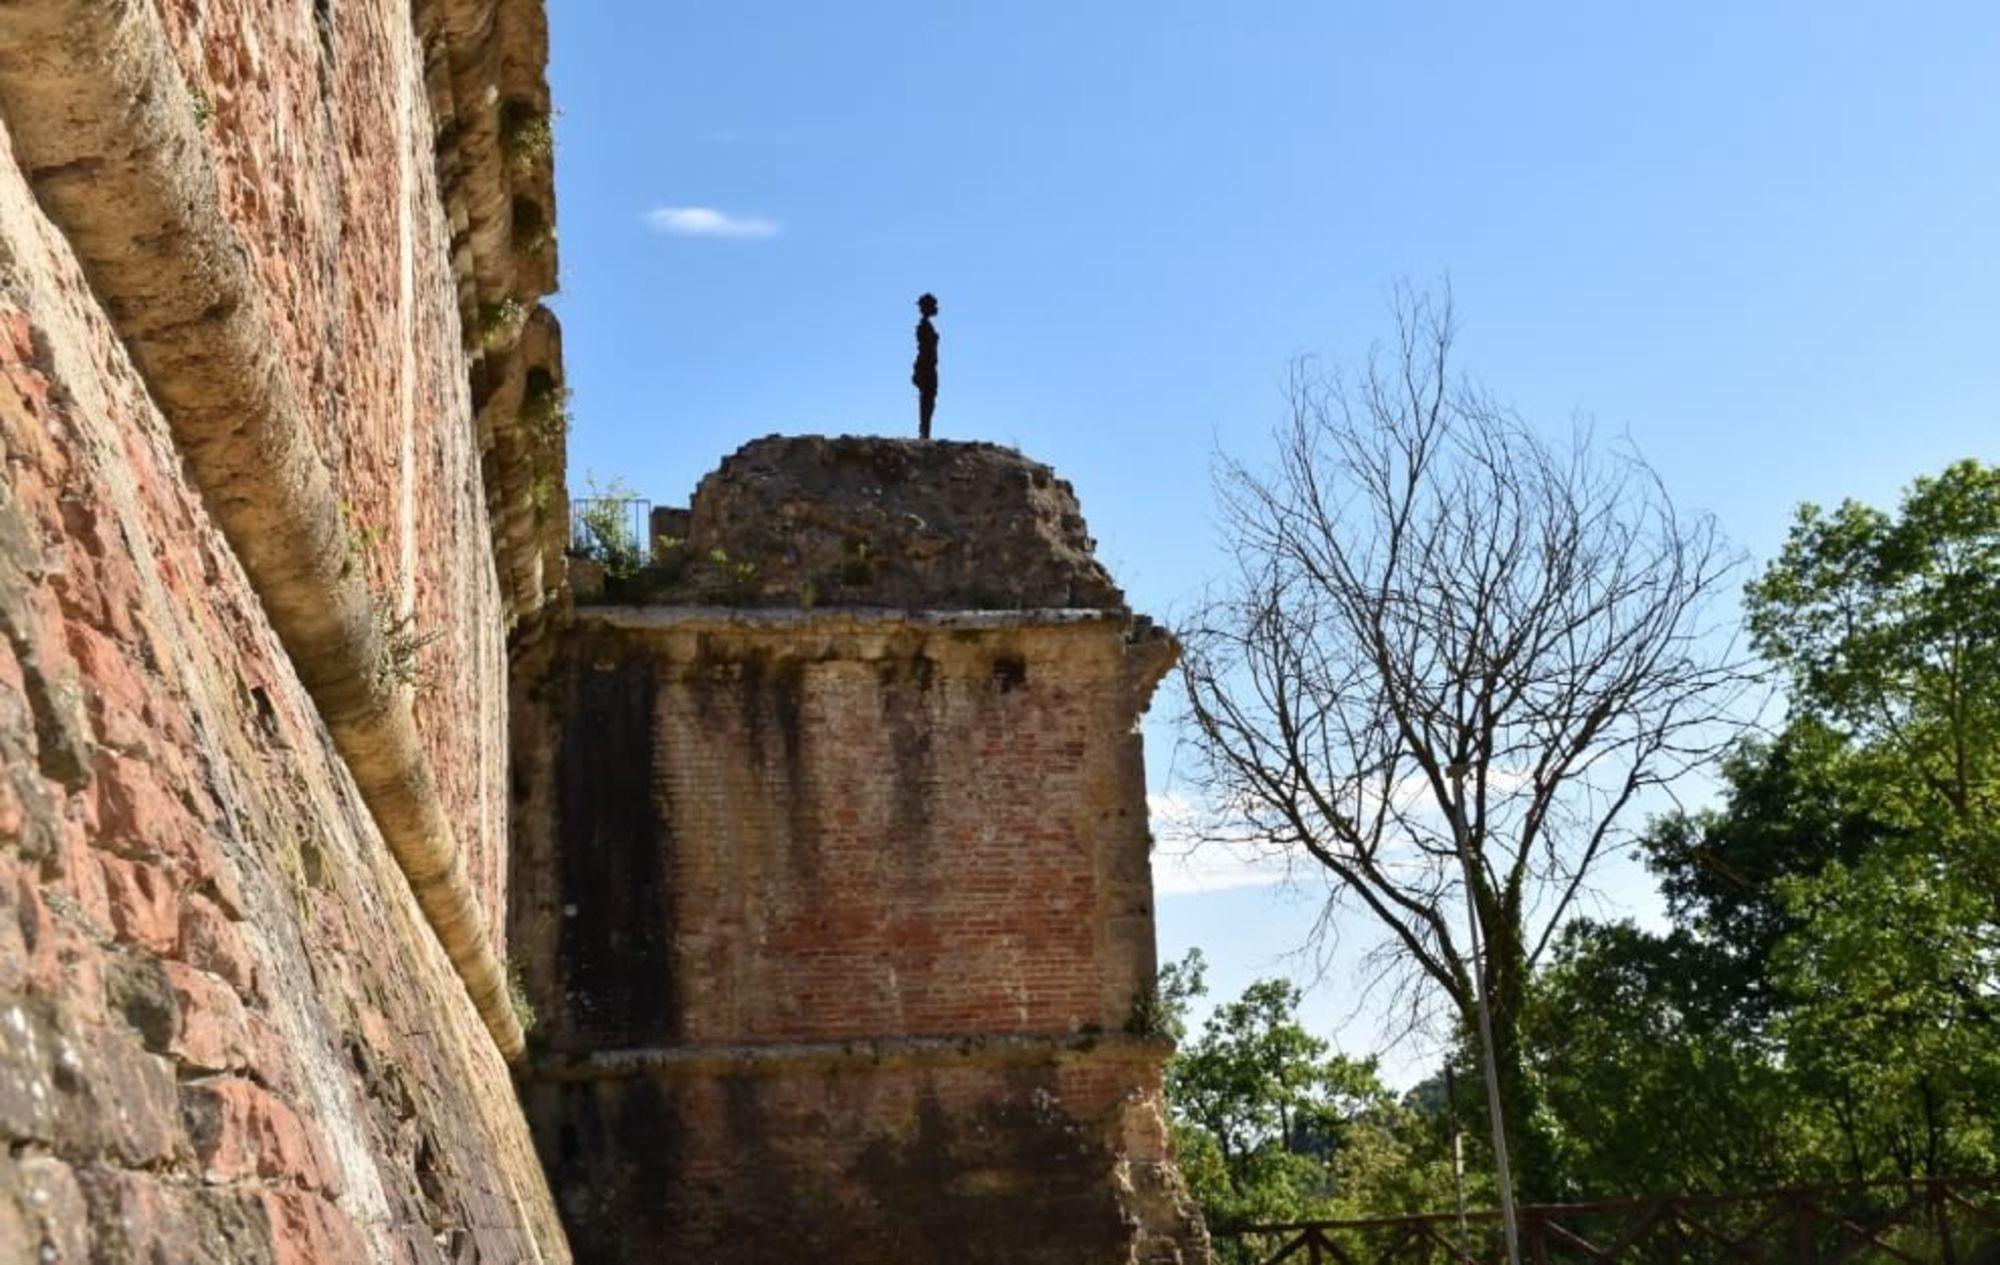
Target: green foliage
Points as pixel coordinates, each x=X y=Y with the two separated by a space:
x=499 y=320
x=1889 y=626
x=1270 y=1124
x=1827 y=1003
x=517 y=999
x=527 y=135
x=1657 y=1081
x=1795 y=804
x=545 y=408
x=1894 y=988
x=402 y=645
x=359 y=538
x=1161 y=1011
x=608 y=537
x=720 y=578
x=542 y=492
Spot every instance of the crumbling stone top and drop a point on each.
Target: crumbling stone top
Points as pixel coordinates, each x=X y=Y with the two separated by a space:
x=812 y=520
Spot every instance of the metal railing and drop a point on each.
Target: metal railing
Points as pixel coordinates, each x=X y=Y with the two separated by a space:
x=601 y=525
x=1935 y=1221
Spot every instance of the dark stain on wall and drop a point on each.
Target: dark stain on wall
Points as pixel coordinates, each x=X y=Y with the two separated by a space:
x=956 y=1189
x=908 y=702
x=615 y=936
x=775 y=1187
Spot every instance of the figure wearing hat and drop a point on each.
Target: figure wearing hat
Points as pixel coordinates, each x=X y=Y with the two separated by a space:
x=923 y=374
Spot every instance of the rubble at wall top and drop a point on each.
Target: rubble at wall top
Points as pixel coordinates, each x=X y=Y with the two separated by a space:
x=812 y=520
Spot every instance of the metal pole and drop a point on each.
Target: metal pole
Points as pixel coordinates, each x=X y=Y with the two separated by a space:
x=1457 y=774
x=1457 y=1158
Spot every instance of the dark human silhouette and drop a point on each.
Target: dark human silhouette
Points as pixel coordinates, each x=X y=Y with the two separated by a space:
x=923 y=374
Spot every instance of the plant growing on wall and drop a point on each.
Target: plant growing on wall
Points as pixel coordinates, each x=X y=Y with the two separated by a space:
x=526 y=133
x=605 y=533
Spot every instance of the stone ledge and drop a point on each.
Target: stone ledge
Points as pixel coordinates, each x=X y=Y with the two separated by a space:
x=715 y=618
x=1149 y=650
x=862 y=1054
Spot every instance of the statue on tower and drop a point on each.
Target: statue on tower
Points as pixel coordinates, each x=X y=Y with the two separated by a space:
x=924 y=374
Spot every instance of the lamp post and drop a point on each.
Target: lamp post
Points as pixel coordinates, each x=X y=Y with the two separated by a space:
x=1456 y=771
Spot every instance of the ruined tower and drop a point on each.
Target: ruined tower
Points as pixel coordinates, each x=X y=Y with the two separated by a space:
x=830 y=879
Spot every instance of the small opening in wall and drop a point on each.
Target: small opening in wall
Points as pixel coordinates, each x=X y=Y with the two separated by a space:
x=531 y=224
x=1010 y=673
x=267 y=715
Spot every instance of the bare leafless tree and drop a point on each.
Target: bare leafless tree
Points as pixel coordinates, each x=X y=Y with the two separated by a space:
x=1441 y=622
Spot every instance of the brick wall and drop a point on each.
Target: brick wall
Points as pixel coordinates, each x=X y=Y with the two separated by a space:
x=817 y=829
x=225 y=1032
x=961 y=1157
x=839 y=918
x=320 y=123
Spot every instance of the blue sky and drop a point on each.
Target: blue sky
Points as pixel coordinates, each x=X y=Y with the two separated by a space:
x=1759 y=239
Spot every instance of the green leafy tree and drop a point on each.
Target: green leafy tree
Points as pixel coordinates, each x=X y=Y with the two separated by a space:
x=1793 y=805
x=1656 y=1081
x=1828 y=1003
x=1270 y=1124
x=1894 y=977
x=1888 y=626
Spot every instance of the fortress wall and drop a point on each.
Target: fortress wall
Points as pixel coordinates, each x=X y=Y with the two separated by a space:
x=1053 y=1157
x=226 y=1033
x=821 y=827
x=836 y=922
x=319 y=123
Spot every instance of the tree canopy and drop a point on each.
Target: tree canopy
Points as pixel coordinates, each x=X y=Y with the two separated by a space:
x=1832 y=981
x=1824 y=1003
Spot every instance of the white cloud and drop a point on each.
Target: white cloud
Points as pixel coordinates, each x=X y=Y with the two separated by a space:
x=1184 y=864
x=1214 y=867
x=706 y=221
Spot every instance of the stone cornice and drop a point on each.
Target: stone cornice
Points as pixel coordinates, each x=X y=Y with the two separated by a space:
x=840 y=618
x=860 y=1054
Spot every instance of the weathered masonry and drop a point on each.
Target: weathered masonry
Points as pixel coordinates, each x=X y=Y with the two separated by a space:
x=838 y=918
x=272 y=509
x=829 y=854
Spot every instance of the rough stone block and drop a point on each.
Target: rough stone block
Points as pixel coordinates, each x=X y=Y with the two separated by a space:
x=810 y=520
x=211 y=1029
x=144 y=1219
x=43 y=1217
x=27 y=1084
x=116 y=1100
x=209 y=939
x=143 y=903
x=241 y=1130
x=307 y=1230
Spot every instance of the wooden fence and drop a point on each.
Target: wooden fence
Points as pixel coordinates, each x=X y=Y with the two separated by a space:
x=1938 y=1221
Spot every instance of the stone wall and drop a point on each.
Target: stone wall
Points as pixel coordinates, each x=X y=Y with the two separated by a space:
x=812 y=520
x=228 y=1032
x=886 y=1151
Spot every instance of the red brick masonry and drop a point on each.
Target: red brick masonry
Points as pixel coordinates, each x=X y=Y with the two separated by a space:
x=836 y=922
